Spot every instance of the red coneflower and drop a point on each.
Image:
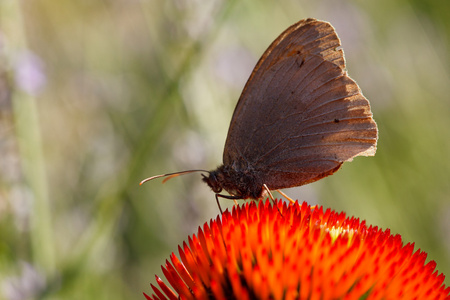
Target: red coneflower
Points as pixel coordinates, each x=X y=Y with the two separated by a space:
x=297 y=252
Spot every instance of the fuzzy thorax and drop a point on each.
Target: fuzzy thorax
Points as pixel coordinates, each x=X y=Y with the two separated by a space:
x=242 y=184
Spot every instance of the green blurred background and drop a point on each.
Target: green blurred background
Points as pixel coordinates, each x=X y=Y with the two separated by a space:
x=97 y=95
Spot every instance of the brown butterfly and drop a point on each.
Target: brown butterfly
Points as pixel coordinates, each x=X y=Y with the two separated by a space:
x=299 y=118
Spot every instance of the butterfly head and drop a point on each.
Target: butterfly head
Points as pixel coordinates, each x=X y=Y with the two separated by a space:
x=214 y=181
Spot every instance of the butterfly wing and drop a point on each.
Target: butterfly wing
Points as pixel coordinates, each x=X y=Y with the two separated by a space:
x=300 y=116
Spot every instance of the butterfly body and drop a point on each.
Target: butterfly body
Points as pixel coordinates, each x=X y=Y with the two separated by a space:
x=248 y=183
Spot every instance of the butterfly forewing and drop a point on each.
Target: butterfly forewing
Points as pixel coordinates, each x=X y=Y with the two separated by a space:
x=300 y=116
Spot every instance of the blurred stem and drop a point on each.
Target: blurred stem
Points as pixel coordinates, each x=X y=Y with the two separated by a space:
x=30 y=146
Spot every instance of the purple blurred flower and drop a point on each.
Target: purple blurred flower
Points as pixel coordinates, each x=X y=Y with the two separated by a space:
x=29 y=73
x=28 y=285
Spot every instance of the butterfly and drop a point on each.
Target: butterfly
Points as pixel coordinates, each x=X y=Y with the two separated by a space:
x=298 y=119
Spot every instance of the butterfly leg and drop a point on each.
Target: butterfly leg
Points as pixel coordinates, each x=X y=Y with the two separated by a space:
x=289 y=198
x=218 y=204
x=226 y=197
x=286 y=196
x=269 y=192
x=271 y=197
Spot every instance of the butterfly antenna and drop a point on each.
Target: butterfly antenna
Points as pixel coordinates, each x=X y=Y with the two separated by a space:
x=171 y=175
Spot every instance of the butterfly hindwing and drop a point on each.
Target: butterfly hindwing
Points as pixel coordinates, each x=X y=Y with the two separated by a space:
x=300 y=116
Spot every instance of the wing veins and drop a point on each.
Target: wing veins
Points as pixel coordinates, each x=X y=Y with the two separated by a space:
x=310 y=146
